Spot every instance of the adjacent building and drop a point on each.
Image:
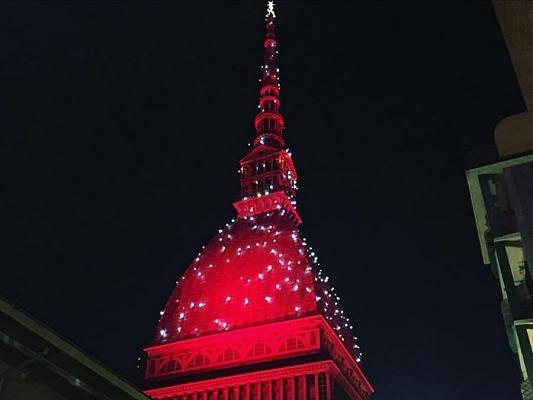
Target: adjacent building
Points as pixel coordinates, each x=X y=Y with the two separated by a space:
x=37 y=364
x=501 y=192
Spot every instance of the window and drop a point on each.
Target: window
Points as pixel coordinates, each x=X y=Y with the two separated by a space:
x=198 y=361
x=322 y=386
x=228 y=355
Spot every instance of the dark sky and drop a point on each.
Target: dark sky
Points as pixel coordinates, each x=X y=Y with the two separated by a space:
x=122 y=125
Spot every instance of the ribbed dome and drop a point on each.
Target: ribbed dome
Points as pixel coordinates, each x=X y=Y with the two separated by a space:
x=256 y=270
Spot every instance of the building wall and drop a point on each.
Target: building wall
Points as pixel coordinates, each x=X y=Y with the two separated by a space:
x=37 y=364
x=513 y=134
x=20 y=388
x=502 y=199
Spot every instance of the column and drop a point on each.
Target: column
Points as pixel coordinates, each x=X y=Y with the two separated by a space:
x=292 y=388
x=269 y=391
x=281 y=389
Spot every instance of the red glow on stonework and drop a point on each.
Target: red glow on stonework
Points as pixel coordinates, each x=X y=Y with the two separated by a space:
x=252 y=272
x=256 y=270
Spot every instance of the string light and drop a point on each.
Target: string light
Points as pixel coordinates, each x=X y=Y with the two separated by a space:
x=251 y=242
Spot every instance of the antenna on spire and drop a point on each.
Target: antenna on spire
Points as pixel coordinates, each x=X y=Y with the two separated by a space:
x=270 y=10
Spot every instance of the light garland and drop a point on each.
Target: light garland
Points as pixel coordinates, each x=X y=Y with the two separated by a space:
x=270 y=259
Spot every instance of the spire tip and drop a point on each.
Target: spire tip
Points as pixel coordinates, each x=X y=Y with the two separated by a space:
x=270 y=10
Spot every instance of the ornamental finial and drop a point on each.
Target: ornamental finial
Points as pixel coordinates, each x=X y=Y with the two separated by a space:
x=270 y=10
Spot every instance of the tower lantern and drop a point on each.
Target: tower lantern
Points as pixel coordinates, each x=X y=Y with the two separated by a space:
x=254 y=316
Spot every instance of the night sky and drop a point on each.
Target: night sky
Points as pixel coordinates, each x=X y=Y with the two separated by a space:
x=122 y=125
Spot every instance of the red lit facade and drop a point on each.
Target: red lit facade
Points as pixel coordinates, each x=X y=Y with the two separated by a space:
x=254 y=317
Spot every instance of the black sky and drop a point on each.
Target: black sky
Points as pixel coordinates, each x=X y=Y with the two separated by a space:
x=122 y=125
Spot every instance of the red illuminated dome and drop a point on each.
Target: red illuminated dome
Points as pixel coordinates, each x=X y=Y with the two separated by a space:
x=253 y=317
x=256 y=270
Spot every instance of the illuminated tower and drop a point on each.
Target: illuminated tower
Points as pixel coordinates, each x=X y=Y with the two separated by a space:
x=253 y=317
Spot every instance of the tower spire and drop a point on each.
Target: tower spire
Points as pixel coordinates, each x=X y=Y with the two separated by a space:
x=269 y=122
x=268 y=176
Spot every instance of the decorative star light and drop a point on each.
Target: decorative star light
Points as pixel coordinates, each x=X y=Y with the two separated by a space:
x=270 y=10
